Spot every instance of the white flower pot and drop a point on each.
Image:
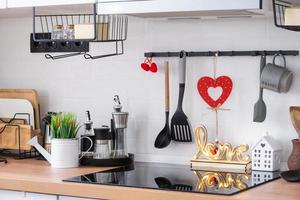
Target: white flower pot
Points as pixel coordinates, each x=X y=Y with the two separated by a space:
x=64 y=153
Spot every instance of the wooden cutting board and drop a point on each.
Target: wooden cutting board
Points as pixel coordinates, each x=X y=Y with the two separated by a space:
x=30 y=95
x=9 y=138
x=10 y=107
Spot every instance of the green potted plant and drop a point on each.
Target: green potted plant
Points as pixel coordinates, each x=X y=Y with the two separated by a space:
x=64 y=141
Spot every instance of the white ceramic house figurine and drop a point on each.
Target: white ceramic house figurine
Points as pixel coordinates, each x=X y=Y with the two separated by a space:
x=266 y=155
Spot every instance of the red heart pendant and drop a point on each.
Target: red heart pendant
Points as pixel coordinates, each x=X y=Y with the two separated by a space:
x=153 y=68
x=145 y=66
x=206 y=82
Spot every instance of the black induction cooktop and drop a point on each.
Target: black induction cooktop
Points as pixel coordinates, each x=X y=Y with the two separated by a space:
x=177 y=178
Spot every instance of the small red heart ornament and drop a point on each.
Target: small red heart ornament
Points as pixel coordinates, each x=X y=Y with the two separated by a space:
x=153 y=68
x=145 y=66
x=206 y=82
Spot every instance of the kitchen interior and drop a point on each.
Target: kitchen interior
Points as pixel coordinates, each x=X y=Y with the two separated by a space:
x=149 y=99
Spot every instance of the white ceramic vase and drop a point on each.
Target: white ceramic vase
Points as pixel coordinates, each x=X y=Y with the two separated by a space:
x=64 y=153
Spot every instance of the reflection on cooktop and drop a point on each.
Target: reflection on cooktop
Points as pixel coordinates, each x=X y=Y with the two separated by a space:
x=177 y=178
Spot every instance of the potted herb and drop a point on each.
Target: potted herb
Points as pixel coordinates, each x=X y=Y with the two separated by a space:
x=64 y=141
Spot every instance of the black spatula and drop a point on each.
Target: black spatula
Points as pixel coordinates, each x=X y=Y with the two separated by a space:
x=180 y=127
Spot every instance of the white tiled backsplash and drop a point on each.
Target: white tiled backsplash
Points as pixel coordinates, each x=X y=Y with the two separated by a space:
x=75 y=84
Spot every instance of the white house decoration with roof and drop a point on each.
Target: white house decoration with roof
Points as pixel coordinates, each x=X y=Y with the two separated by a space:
x=266 y=155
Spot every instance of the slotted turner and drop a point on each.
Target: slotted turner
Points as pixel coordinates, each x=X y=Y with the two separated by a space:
x=180 y=127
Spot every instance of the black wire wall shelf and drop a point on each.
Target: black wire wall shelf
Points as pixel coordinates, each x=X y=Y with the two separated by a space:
x=279 y=9
x=105 y=28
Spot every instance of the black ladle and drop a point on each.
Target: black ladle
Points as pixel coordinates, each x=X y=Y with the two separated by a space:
x=164 y=137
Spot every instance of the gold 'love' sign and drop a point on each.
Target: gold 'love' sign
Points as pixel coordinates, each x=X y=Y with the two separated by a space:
x=218 y=151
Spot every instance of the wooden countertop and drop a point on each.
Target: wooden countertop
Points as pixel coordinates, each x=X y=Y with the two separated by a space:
x=37 y=176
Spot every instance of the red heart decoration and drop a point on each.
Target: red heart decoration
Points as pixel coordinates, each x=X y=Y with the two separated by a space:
x=206 y=82
x=145 y=66
x=153 y=68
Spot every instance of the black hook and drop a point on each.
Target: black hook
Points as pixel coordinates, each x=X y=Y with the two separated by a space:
x=217 y=53
x=182 y=54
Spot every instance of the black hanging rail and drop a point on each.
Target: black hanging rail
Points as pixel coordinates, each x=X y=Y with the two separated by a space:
x=222 y=53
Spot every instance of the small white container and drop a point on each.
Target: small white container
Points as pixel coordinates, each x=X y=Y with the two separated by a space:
x=64 y=153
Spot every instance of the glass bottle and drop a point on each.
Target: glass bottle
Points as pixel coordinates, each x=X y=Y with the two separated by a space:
x=120 y=140
x=57 y=32
x=88 y=133
x=119 y=127
x=69 y=32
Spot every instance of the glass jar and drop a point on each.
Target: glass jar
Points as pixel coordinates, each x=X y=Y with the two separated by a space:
x=102 y=148
x=57 y=32
x=69 y=33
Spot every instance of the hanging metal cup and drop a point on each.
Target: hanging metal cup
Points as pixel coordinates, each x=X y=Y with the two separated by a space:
x=275 y=77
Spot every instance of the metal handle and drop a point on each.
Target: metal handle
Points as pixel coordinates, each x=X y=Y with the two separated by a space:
x=182 y=67
x=283 y=57
x=83 y=154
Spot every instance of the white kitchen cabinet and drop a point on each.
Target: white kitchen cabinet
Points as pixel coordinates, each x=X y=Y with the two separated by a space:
x=2 y=4
x=7 y=194
x=36 y=196
x=157 y=8
x=34 y=3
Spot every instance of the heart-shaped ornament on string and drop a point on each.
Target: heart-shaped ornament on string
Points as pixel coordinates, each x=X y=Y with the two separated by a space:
x=204 y=85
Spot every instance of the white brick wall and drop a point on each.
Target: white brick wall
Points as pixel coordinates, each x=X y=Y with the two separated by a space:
x=75 y=84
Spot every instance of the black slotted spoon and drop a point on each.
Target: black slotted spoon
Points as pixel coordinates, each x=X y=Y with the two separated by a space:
x=180 y=127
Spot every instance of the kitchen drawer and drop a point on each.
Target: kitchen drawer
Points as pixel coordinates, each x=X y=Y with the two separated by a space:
x=73 y=198
x=11 y=195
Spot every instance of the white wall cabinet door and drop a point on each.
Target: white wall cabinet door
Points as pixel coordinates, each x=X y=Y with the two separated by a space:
x=2 y=4
x=36 y=196
x=167 y=6
x=33 y=3
x=6 y=194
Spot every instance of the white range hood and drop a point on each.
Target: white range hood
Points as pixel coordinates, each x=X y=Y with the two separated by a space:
x=185 y=8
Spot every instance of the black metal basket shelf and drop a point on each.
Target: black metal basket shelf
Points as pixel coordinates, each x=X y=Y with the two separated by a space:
x=17 y=153
x=279 y=9
x=106 y=29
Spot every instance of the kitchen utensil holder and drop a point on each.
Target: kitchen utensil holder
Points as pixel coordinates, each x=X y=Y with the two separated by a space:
x=222 y=53
x=107 y=29
x=279 y=7
x=19 y=153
